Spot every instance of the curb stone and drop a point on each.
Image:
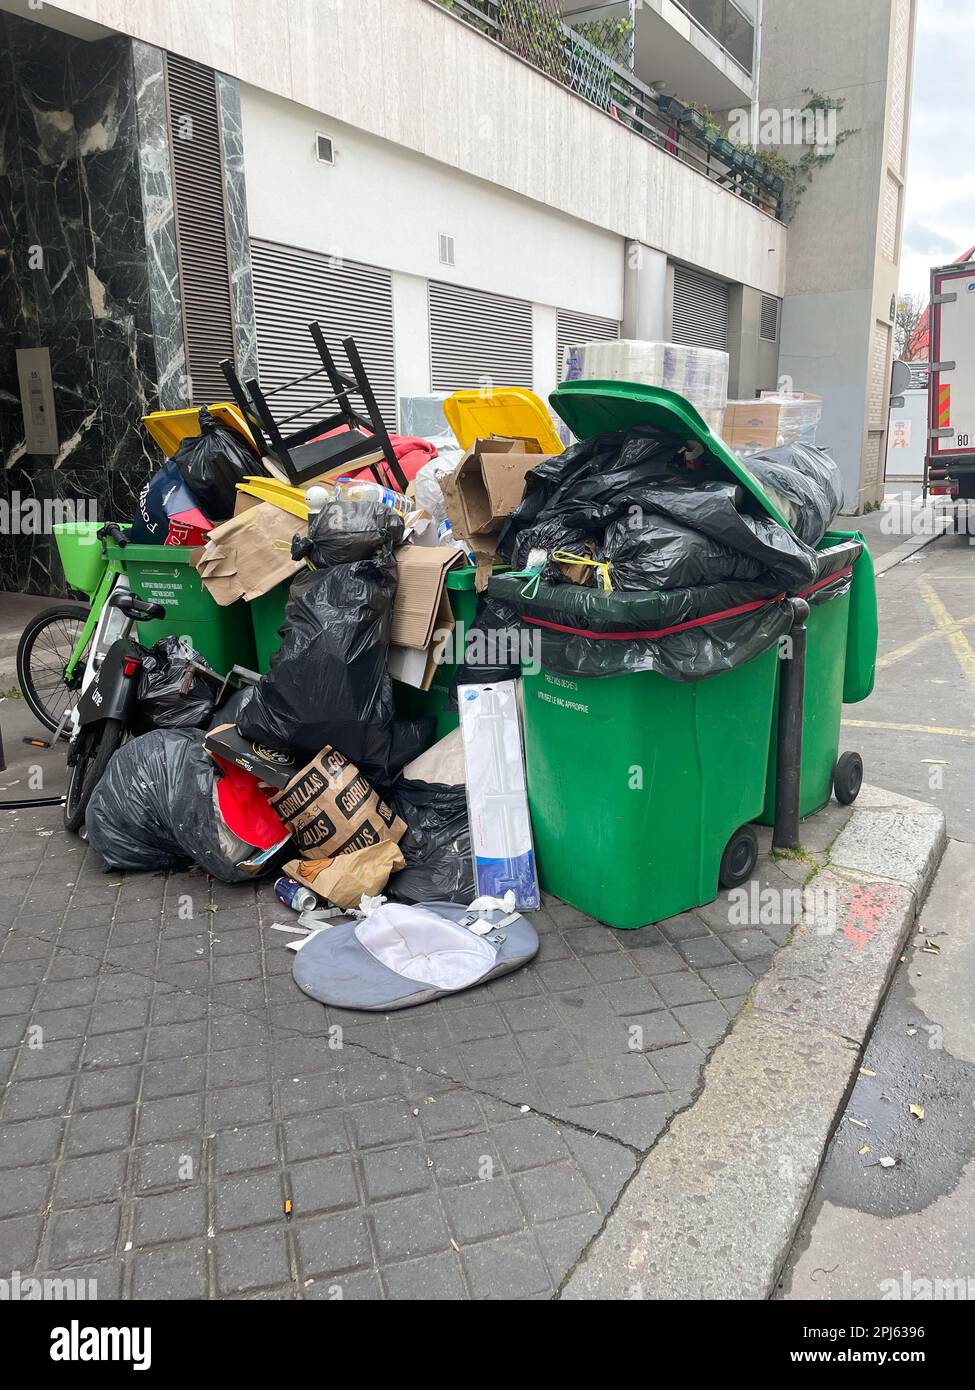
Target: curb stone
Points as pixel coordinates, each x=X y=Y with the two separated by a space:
x=712 y=1210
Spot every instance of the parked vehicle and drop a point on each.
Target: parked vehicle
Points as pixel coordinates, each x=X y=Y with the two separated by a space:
x=55 y=648
x=949 y=469
x=105 y=712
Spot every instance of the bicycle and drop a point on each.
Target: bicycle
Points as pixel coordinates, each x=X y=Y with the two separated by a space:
x=54 y=649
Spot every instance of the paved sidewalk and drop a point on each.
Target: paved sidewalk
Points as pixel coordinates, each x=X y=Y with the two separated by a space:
x=169 y=1088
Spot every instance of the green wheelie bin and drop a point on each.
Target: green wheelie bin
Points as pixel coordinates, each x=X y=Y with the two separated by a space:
x=642 y=787
x=165 y=574
x=841 y=657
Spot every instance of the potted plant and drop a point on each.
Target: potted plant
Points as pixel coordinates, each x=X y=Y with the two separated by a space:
x=724 y=149
x=697 y=119
x=776 y=169
x=670 y=106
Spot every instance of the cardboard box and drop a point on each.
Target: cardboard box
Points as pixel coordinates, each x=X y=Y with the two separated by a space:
x=417 y=666
x=421 y=572
x=488 y=484
x=267 y=764
x=250 y=554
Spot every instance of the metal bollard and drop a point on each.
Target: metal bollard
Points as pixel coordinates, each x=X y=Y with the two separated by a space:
x=788 y=771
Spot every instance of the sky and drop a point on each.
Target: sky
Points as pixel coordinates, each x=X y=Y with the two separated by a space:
x=939 y=214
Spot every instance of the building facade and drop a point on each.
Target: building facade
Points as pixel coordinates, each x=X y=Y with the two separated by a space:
x=464 y=192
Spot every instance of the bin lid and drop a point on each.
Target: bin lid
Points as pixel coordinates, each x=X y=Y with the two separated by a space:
x=595 y=407
x=170 y=427
x=508 y=411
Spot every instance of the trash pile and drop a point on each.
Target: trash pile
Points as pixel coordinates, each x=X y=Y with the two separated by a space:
x=374 y=761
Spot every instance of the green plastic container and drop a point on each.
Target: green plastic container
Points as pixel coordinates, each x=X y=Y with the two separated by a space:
x=426 y=704
x=841 y=654
x=164 y=574
x=81 y=554
x=267 y=615
x=636 y=784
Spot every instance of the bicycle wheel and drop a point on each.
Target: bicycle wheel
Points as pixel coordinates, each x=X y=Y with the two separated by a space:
x=97 y=747
x=45 y=648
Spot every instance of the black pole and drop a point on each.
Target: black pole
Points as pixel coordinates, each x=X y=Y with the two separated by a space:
x=788 y=771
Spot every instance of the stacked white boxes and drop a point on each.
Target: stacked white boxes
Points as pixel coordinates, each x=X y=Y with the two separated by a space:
x=700 y=374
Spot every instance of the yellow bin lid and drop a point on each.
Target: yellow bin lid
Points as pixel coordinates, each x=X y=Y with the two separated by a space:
x=170 y=427
x=508 y=411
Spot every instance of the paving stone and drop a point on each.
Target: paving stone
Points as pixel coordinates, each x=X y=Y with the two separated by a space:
x=97 y=1178
x=249 y=1200
x=324 y=1184
x=333 y=1244
x=437 y=1278
x=479 y=1210
x=251 y=1259
x=409 y=1226
x=19 y=1239
x=82 y=1233
x=170 y=1216
x=171 y=1272
x=23 y=1190
x=506 y=1268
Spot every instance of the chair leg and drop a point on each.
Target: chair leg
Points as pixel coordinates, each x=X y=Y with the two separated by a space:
x=375 y=418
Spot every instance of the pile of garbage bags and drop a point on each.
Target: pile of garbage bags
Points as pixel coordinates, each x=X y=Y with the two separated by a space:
x=633 y=552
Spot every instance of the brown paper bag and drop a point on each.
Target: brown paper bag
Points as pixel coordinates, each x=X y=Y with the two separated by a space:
x=331 y=809
x=343 y=879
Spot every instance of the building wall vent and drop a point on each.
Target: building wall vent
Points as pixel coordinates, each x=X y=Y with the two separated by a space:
x=769 y=331
x=446 y=249
x=324 y=149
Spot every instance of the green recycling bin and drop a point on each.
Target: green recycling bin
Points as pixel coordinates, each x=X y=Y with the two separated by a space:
x=641 y=787
x=165 y=574
x=841 y=655
x=267 y=615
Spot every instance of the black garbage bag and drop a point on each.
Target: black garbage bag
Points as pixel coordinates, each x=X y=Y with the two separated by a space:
x=682 y=634
x=213 y=462
x=641 y=473
x=578 y=485
x=172 y=693
x=154 y=808
x=328 y=682
x=549 y=536
x=807 y=478
x=436 y=846
x=348 y=530
x=492 y=647
x=663 y=554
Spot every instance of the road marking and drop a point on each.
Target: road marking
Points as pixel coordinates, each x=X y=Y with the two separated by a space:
x=909 y=648
x=958 y=642
x=909 y=728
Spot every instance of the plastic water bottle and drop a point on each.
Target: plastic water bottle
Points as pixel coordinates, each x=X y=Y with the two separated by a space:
x=363 y=491
x=295 y=895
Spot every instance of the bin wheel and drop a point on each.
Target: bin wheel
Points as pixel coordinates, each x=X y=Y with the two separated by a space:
x=739 y=858
x=848 y=778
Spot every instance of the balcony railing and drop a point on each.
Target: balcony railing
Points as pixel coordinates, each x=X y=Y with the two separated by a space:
x=535 y=32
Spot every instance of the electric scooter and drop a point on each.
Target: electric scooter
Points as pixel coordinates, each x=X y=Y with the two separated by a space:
x=104 y=713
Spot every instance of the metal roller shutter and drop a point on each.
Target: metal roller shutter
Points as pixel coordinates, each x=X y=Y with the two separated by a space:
x=700 y=311
x=572 y=328
x=201 y=225
x=478 y=339
x=293 y=288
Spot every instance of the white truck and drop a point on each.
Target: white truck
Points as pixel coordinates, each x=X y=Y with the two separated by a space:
x=949 y=468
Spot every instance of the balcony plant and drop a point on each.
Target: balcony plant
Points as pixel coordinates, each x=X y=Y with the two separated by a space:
x=698 y=119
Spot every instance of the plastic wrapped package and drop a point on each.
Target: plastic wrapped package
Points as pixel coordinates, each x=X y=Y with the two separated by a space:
x=497 y=798
x=700 y=374
x=436 y=846
x=427 y=491
x=771 y=421
x=155 y=808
